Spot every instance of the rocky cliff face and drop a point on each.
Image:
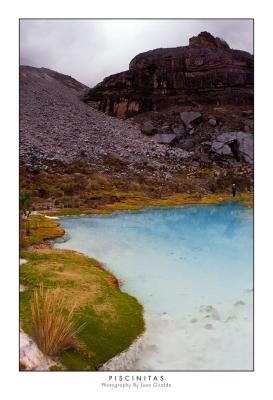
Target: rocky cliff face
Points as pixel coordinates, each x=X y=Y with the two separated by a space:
x=206 y=71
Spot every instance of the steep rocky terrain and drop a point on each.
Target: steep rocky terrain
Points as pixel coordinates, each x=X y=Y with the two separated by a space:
x=198 y=98
x=56 y=125
x=189 y=127
x=206 y=71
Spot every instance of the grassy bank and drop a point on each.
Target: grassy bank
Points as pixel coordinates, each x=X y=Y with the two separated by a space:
x=113 y=319
x=139 y=201
x=80 y=188
x=36 y=229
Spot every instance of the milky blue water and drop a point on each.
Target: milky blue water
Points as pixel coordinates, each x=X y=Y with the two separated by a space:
x=176 y=261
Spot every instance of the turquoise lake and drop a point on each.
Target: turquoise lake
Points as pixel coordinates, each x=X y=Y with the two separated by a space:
x=192 y=269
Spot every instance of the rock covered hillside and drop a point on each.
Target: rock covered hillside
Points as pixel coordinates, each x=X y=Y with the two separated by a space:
x=56 y=125
x=190 y=106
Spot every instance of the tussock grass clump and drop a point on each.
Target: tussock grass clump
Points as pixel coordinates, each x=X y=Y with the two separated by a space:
x=97 y=181
x=53 y=328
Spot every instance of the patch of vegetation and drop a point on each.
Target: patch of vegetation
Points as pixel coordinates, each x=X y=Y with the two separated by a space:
x=25 y=203
x=114 y=162
x=137 y=203
x=36 y=229
x=56 y=367
x=62 y=188
x=113 y=319
x=53 y=327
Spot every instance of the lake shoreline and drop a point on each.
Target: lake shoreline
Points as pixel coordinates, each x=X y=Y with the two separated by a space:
x=132 y=350
x=245 y=199
x=136 y=204
x=40 y=245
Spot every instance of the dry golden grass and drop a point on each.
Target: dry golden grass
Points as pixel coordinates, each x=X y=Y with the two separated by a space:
x=97 y=181
x=52 y=325
x=76 y=298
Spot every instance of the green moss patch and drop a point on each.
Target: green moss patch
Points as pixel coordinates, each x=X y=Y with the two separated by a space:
x=113 y=319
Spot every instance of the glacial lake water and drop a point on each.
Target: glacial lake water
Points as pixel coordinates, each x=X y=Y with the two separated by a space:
x=191 y=268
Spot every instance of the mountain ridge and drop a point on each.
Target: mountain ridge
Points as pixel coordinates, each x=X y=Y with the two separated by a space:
x=206 y=71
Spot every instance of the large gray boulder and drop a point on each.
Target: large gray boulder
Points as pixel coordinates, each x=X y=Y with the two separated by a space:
x=187 y=117
x=240 y=145
x=246 y=146
x=148 y=128
x=221 y=149
x=165 y=138
x=187 y=144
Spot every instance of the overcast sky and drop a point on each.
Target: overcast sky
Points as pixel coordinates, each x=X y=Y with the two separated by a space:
x=90 y=50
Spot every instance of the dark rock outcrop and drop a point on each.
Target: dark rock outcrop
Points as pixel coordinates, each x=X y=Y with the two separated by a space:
x=207 y=40
x=238 y=145
x=206 y=71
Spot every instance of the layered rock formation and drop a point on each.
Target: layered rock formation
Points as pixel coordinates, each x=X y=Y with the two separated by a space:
x=206 y=71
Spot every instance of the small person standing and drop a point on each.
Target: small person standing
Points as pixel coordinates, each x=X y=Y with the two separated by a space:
x=234 y=189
